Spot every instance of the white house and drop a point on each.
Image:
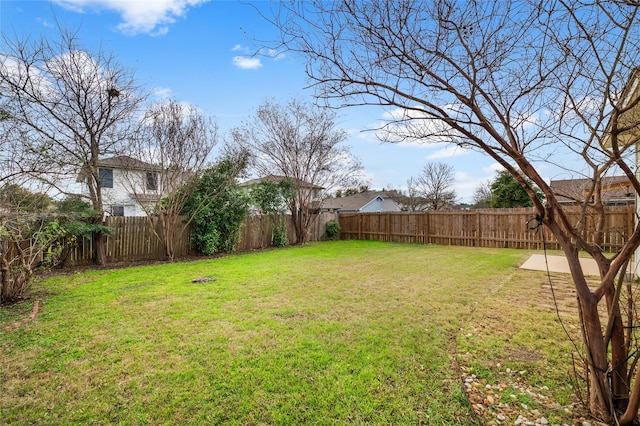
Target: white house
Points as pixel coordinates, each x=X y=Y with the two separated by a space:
x=127 y=185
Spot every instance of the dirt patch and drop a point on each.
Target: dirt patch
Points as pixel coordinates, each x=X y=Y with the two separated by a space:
x=202 y=280
x=514 y=354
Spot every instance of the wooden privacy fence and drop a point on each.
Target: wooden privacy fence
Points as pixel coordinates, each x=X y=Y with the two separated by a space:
x=256 y=232
x=134 y=240
x=505 y=228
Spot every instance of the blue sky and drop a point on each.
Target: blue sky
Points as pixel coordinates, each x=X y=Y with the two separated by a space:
x=200 y=52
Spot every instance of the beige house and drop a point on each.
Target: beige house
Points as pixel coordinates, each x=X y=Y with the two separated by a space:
x=616 y=190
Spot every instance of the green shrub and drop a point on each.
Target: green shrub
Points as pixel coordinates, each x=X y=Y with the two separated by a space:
x=209 y=242
x=333 y=230
x=280 y=235
x=219 y=207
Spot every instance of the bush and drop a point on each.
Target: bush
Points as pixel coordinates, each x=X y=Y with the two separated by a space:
x=209 y=243
x=280 y=235
x=219 y=207
x=333 y=230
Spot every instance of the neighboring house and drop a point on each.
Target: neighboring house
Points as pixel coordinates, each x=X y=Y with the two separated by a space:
x=127 y=185
x=616 y=190
x=309 y=191
x=364 y=202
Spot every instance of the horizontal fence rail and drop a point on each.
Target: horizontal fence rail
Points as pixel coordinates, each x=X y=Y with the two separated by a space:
x=505 y=228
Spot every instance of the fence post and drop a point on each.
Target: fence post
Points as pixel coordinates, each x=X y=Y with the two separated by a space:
x=630 y=221
x=426 y=228
x=478 y=230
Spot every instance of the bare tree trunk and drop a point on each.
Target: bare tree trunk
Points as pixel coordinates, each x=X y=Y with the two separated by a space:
x=167 y=223
x=302 y=229
x=619 y=353
x=98 y=238
x=99 y=248
x=296 y=217
x=169 y=237
x=5 y=278
x=599 y=405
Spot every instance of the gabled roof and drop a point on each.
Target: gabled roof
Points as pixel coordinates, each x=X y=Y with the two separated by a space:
x=358 y=202
x=614 y=189
x=277 y=178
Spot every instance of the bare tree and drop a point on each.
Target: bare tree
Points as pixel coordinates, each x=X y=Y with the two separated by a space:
x=67 y=107
x=482 y=195
x=299 y=142
x=521 y=82
x=435 y=185
x=25 y=236
x=410 y=199
x=172 y=148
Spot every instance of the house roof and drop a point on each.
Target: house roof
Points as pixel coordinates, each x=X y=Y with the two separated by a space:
x=614 y=188
x=357 y=202
x=277 y=178
x=120 y=162
x=128 y=163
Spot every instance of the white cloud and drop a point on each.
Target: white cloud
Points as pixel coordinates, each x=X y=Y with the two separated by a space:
x=249 y=59
x=162 y=92
x=448 y=151
x=240 y=48
x=139 y=16
x=245 y=60
x=492 y=169
x=465 y=185
x=275 y=55
x=45 y=23
x=247 y=63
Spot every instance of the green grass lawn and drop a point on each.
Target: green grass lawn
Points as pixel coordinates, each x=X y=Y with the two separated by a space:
x=330 y=333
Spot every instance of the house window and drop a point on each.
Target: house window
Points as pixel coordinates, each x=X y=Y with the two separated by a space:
x=106 y=177
x=117 y=210
x=152 y=181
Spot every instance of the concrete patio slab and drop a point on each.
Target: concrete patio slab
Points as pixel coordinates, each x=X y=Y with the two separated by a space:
x=537 y=262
